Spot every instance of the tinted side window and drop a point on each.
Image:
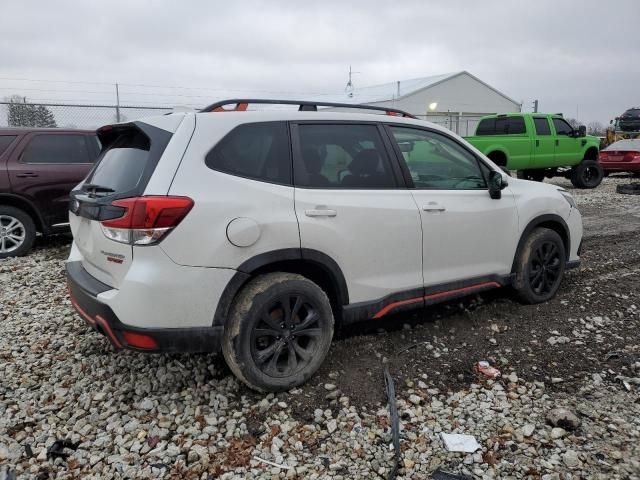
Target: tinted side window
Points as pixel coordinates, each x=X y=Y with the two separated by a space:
x=501 y=126
x=57 y=149
x=562 y=127
x=438 y=162
x=5 y=141
x=256 y=150
x=515 y=125
x=342 y=156
x=542 y=126
x=486 y=127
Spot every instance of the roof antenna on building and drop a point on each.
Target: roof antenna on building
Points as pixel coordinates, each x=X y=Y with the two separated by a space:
x=349 y=88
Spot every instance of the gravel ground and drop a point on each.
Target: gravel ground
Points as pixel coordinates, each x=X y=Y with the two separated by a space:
x=129 y=415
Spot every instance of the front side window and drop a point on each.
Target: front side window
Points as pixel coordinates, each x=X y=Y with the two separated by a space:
x=255 y=150
x=342 y=156
x=562 y=127
x=438 y=162
x=542 y=126
x=57 y=149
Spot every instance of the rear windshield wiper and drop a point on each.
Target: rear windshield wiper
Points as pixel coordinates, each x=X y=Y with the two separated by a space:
x=95 y=189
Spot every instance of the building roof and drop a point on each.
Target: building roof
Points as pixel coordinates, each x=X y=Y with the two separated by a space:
x=389 y=91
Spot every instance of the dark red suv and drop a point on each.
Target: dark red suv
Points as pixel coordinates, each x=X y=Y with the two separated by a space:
x=38 y=169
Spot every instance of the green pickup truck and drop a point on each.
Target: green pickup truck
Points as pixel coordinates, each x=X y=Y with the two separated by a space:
x=540 y=145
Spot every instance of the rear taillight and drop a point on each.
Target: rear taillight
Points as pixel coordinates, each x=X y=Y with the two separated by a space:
x=146 y=220
x=604 y=156
x=632 y=157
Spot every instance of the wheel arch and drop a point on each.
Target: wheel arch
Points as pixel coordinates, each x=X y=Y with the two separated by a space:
x=498 y=156
x=591 y=153
x=312 y=264
x=28 y=207
x=551 y=221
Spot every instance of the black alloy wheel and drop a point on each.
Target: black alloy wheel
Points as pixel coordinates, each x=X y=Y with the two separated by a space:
x=539 y=266
x=285 y=338
x=544 y=268
x=278 y=332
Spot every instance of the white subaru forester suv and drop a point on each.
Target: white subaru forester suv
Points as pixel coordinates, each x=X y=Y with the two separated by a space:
x=257 y=233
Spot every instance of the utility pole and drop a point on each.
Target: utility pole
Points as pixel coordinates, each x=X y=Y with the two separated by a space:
x=117 y=104
x=349 y=87
x=535 y=106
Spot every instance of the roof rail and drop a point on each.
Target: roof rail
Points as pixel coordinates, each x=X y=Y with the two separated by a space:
x=303 y=106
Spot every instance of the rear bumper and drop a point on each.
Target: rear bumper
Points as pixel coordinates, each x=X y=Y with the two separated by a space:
x=84 y=290
x=633 y=166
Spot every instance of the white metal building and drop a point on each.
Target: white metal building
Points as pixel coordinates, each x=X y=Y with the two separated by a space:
x=456 y=100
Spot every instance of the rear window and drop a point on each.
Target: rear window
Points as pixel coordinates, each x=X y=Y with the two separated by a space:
x=57 y=149
x=123 y=162
x=5 y=141
x=501 y=126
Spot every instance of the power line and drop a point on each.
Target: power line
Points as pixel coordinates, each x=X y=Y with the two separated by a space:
x=172 y=87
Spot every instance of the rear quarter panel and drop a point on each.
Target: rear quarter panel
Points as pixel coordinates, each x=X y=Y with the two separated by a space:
x=517 y=148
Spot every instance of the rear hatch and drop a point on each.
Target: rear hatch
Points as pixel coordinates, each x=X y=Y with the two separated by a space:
x=129 y=156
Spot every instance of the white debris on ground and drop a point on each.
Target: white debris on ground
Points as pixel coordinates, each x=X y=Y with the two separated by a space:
x=130 y=415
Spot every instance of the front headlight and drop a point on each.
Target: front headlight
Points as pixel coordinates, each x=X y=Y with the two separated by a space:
x=570 y=200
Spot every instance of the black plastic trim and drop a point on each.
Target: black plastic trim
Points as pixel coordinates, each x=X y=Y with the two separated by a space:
x=366 y=310
x=46 y=227
x=248 y=267
x=84 y=289
x=572 y=264
x=535 y=223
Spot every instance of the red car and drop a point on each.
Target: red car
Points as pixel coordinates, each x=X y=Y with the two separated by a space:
x=621 y=156
x=38 y=169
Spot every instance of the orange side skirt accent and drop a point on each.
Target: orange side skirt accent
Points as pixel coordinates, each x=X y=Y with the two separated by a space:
x=432 y=296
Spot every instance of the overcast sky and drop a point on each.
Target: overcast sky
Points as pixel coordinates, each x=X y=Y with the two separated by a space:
x=577 y=57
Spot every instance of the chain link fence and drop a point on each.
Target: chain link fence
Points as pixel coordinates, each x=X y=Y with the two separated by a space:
x=20 y=114
x=463 y=124
x=15 y=114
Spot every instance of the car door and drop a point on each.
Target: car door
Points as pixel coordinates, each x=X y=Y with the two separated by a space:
x=567 y=146
x=351 y=205
x=46 y=167
x=544 y=149
x=467 y=236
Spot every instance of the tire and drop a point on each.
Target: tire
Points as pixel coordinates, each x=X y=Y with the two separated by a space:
x=587 y=174
x=629 y=189
x=261 y=306
x=17 y=232
x=540 y=266
x=533 y=175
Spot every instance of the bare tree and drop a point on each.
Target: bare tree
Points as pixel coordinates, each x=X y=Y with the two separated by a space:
x=595 y=128
x=573 y=122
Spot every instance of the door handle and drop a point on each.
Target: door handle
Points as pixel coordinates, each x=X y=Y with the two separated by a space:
x=537 y=143
x=433 y=207
x=26 y=175
x=320 y=212
x=557 y=142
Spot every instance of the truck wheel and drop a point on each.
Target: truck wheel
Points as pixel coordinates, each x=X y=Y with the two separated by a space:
x=533 y=175
x=540 y=266
x=588 y=174
x=278 y=333
x=17 y=232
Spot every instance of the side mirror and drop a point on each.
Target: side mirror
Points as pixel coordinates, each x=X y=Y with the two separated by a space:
x=497 y=183
x=582 y=131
